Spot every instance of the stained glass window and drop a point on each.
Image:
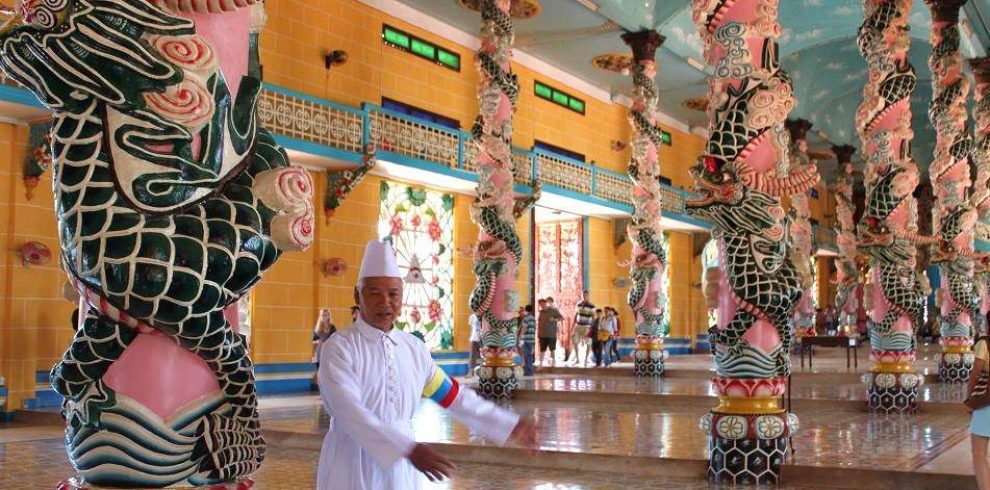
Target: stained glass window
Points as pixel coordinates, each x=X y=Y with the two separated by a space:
x=665 y=284
x=420 y=223
x=709 y=258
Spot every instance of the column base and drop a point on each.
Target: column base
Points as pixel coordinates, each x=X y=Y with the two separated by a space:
x=77 y=483
x=747 y=449
x=954 y=367
x=648 y=363
x=498 y=382
x=892 y=393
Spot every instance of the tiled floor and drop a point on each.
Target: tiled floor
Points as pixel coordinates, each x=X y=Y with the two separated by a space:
x=834 y=436
x=39 y=465
x=800 y=388
x=827 y=437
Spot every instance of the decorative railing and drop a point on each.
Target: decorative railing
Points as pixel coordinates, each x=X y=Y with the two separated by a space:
x=564 y=173
x=403 y=135
x=346 y=129
x=337 y=127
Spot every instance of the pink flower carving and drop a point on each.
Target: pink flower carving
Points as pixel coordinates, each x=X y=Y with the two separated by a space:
x=396 y=224
x=434 y=230
x=416 y=221
x=435 y=311
x=415 y=316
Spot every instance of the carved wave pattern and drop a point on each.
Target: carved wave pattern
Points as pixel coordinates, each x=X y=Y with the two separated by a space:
x=893 y=341
x=746 y=362
x=132 y=446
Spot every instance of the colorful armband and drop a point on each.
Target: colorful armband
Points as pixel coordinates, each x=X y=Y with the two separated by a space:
x=441 y=388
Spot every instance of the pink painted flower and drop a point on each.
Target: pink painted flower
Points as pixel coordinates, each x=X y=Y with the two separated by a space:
x=435 y=311
x=436 y=259
x=396 y=224
x=435 y=280
x=416 y=221
x=414 y=316
x=434 y=230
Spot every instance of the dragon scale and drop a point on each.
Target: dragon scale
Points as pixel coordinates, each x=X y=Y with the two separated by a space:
x=887 y=231
x=742 y=175
x=499 y=248
x=646 y=297
x=170 y=208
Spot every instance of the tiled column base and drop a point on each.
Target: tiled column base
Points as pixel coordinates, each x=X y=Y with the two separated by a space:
x=76 y=483
x=747 y=449
x=954 y=367
x=889 y=393
x=498 y=382
x=648 y=363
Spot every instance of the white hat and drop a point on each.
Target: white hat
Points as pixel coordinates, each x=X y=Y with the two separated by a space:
x=379 y=261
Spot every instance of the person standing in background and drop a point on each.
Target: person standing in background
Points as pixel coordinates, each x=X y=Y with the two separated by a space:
x=547 y=325
x=355 y=310
x=321 y=332
x=475 y=321
x=584 y=314
x=596 y=343
x=614 y=345
x=527 y=339
x=607 y=335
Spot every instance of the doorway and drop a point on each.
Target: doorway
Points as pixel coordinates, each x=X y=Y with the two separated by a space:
x=560 y=264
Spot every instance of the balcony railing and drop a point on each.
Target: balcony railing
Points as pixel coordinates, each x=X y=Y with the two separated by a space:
x=346 y=130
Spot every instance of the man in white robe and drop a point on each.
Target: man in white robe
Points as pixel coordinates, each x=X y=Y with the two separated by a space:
x=372 y=376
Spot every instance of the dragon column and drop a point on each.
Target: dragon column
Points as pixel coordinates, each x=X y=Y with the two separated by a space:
x=980 y=198
x=499 y=249
x=171 y=202
x=847 y=272
x=742 y=175
x=887 y=230
x=800 y=230
x=953 y=217
x=649 y=260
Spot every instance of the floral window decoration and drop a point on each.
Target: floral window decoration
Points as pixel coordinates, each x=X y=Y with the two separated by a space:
x=709 y=258
x=420 y=224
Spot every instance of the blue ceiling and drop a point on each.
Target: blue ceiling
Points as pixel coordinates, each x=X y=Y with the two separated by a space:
x=817 y=47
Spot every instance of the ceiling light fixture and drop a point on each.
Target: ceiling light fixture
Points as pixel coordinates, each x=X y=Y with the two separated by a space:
x=589 y=4
x=695 y=63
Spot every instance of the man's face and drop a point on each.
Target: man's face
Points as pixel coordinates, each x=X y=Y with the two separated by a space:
x=585 y=296
x=543 y=305
x=380 y=300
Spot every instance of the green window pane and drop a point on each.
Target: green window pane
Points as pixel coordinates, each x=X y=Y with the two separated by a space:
x=449 y=59
x=543 y=91
x=397 y=38
x=577 y=105
x=423 y=49
x=560 y=98
x=666 y=138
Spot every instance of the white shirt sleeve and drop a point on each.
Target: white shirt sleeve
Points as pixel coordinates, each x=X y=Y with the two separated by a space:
x=341 y=392
x=480 y=415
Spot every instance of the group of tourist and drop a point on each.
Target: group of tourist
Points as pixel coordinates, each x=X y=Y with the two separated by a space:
x=594 y=336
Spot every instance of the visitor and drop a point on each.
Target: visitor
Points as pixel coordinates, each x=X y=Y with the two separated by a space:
x=372 y=377
x=614 y=344
x=607 y=336
x=547 y=325
x=321 y=332
x=475 y=322
x=527 y=339
x=584 y=313
x=596 y=344
x=354 y=313
x=979 y=426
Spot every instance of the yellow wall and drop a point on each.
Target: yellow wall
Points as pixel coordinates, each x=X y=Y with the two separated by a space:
x=36 y=318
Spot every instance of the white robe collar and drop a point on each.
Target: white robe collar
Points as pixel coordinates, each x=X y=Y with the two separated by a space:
x=373 y=334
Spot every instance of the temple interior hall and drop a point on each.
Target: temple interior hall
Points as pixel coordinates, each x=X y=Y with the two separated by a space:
x=231 y=227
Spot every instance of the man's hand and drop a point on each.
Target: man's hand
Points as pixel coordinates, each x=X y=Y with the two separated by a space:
x=524 y=434
x=434 y=465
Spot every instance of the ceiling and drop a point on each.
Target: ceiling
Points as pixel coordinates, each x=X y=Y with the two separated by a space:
x=817 y=48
